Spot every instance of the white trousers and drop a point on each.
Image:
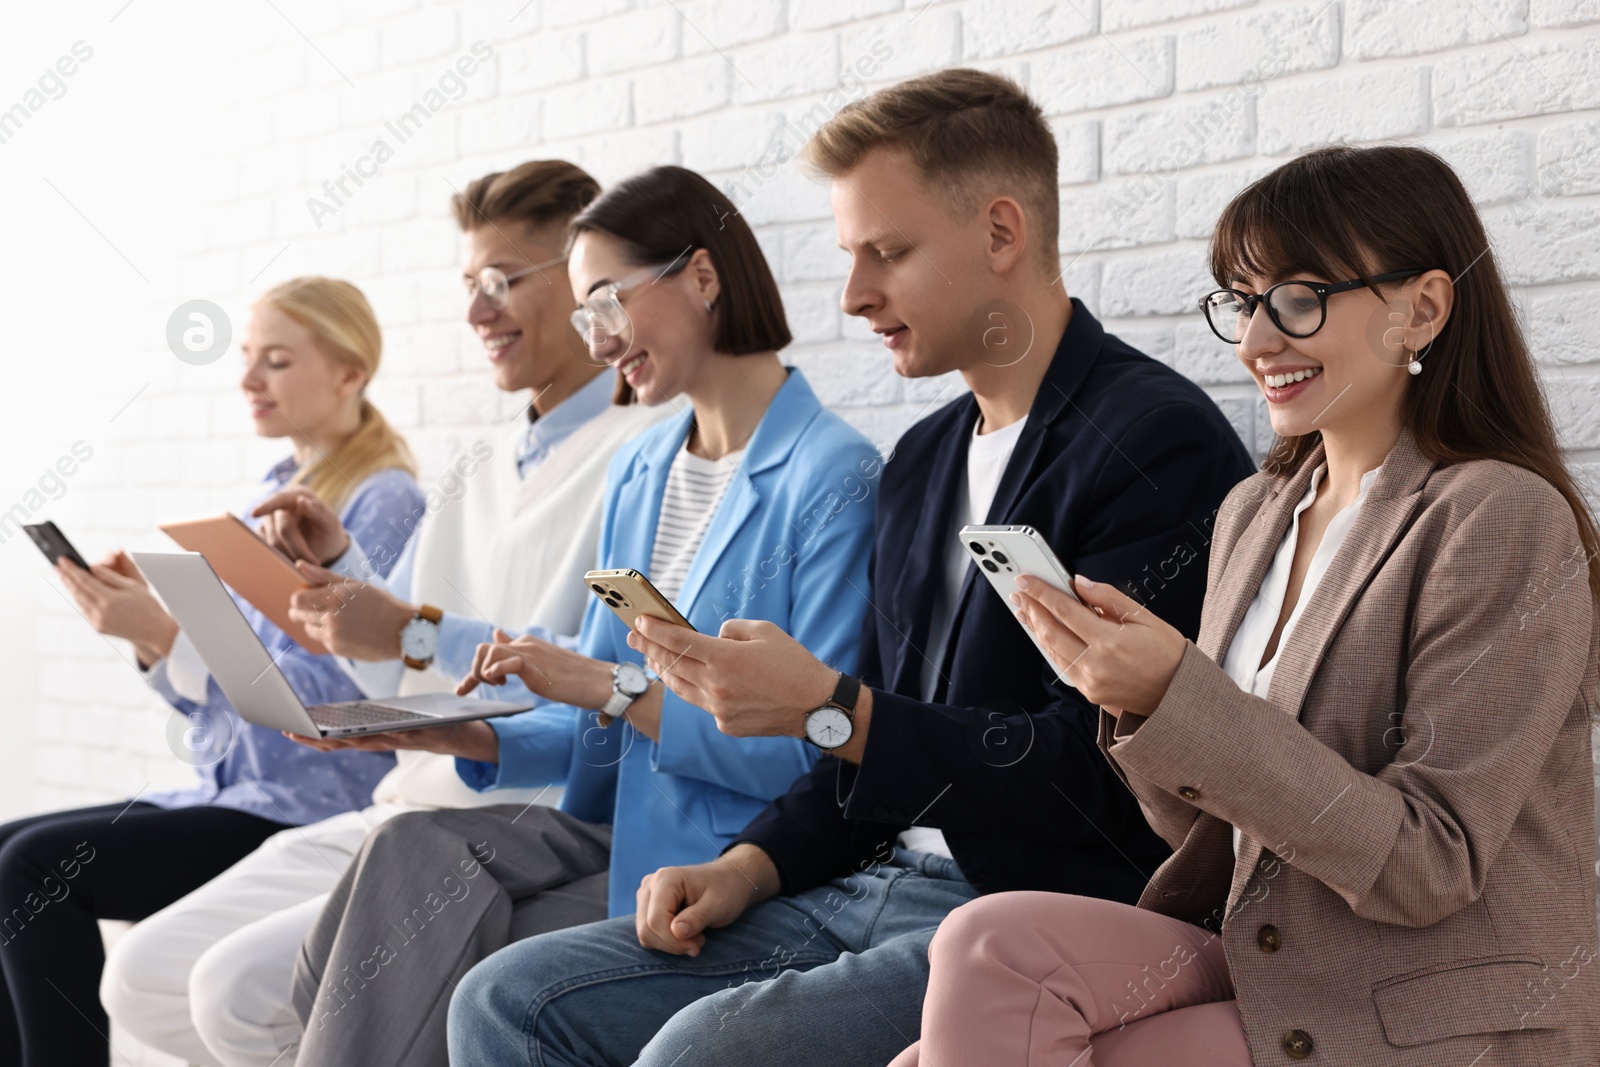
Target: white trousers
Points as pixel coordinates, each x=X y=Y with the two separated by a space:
x=207 y=978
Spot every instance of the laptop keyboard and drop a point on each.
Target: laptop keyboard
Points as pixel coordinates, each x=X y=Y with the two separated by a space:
x=360 y=713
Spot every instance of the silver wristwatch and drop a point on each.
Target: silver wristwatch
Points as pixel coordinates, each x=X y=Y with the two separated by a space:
x=833 y=723
x=628 y=683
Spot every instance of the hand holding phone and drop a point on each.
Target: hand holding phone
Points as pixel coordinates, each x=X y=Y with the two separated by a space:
x=1005 y=553
x=629 y=594
x=54 y=544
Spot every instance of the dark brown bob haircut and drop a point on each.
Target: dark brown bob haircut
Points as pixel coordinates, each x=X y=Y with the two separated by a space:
x=661 y=217
x=970 y=134
x=1341 y=212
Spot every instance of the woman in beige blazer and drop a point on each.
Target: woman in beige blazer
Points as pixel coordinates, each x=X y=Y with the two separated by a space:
x=1374 y=763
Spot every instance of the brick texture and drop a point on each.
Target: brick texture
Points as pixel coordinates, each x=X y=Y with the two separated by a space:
x=1164 y=109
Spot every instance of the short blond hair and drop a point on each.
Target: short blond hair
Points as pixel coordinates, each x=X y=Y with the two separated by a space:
x=970 y=134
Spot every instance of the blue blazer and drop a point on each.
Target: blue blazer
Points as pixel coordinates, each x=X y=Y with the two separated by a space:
x=789 y=544
x=1121 y=467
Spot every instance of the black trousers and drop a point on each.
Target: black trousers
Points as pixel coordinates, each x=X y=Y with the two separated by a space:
x=59 y=874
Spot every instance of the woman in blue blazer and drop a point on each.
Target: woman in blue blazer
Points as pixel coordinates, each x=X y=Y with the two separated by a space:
x=753 y=502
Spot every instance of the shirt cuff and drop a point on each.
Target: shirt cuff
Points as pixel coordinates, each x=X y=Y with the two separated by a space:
x=155 y=676
x=478 y=775
x=186 y=671
x=355 y=563
x=459 y=638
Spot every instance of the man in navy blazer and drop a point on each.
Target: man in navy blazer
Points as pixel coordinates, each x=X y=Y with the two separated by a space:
x=960 y=764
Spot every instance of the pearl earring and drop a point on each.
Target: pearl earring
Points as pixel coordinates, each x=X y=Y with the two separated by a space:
x=1415 y=366
x=709 y=309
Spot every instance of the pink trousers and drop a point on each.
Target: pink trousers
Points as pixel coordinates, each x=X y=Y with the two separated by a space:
x=1049 y=980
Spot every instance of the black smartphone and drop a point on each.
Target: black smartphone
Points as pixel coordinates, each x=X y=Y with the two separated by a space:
x=53 y=543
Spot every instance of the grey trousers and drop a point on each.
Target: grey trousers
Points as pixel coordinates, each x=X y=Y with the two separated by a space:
x=428 y=896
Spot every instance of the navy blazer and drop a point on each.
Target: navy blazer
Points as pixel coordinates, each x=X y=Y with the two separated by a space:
x=1121 y=466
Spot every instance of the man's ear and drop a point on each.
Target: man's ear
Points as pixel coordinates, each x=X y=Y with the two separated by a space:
x=1007 y=233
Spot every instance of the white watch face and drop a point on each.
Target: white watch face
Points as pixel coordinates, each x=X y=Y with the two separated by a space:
x=828 y=727
x=630 y=679
x=419 y=639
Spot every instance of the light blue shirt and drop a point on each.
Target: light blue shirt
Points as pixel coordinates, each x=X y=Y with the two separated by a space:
x=460 y=635
x=789 y=544
x=255 y=769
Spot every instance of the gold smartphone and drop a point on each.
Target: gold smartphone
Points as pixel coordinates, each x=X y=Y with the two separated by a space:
x=629 y=594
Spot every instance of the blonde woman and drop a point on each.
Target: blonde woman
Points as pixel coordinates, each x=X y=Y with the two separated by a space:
x=310 y=349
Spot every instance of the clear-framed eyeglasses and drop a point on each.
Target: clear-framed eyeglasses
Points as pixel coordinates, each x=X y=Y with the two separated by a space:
x=602 y=317
x=1297 y=308
x=495 y=284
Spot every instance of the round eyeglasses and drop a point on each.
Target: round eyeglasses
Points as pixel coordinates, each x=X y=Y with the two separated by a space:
x=1297 y=308
x=495 y=284
x=602 y=316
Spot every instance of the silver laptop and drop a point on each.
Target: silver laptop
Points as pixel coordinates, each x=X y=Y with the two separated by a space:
x=250 y=678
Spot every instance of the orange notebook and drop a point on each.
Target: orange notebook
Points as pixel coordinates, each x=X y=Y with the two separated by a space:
x=251 y=567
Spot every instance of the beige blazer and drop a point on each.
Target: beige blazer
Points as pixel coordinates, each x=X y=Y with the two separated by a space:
x=1415 y=884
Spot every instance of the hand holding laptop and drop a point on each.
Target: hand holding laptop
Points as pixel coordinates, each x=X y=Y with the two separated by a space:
x=250 y=678
x=474 y=740
x=297 y=523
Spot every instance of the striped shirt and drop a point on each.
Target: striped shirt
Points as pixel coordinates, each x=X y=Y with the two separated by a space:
x=695 y=488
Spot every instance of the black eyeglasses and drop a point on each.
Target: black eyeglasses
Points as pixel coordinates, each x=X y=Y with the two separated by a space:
x=1297 y=308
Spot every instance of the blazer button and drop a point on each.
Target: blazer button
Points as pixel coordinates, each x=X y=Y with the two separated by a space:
x=1269 y=939
x=1297 y=1043
x=1188 y=792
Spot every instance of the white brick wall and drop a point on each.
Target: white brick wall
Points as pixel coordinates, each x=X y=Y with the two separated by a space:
x=1163 y=108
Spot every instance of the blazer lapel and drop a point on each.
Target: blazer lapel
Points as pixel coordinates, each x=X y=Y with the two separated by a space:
x=1391 y=502
x=1250 y=559
x=1076 y=352
x=634 y=536
x=1387 y=510
x=923 y=572
x=792 y=409
x=738 y=503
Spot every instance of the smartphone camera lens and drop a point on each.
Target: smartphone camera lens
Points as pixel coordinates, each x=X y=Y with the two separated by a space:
x=611 y=601
x=1000 y=557
x=989 y=566
x=600 y=589
x=977 y=549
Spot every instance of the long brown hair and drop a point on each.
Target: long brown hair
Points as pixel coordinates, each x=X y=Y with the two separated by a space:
x=338 y=315
x=1342 y=212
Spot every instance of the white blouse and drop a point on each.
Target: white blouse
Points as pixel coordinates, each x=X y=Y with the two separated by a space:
x=1250 y=642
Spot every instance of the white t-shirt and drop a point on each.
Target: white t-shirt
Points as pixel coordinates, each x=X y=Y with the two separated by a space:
x=987 y=456
x=695 y=487
x=1250 y=642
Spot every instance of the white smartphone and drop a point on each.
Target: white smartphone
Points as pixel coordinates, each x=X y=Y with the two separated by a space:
x=1005 y=553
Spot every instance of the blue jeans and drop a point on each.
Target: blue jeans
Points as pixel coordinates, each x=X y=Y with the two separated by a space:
x=833 y=975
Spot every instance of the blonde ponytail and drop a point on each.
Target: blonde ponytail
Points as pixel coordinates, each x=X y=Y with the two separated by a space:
x=347 y=331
